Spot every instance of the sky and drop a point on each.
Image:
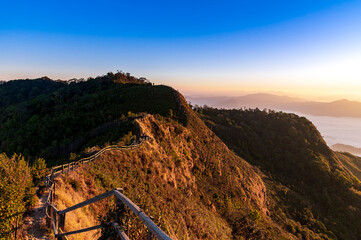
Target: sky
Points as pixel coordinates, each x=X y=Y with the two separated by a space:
x=300 y=48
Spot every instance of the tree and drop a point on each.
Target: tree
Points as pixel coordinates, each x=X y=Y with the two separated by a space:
x=16 y=193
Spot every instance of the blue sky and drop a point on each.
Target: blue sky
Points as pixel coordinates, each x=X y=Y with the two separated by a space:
x=310 y=48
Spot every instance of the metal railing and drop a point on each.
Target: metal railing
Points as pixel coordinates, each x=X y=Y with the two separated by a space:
x=70 y=166
x=56 y=218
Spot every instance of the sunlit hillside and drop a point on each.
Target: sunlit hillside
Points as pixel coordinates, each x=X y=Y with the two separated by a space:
x=279 y=180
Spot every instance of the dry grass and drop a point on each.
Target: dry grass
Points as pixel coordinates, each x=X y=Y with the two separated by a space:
x=69 y=194
x=184 y=177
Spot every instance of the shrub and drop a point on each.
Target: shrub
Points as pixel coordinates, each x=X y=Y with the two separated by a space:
x=254 y=215
x=38 y=171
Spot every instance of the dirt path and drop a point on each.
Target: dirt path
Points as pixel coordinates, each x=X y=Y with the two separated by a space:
x=35 y=223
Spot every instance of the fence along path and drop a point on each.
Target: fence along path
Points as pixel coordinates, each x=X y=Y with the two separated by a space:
x=56 y=218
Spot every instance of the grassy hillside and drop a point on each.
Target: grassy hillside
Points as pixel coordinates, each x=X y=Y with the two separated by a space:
x=185 y=177
x=52 y=119
x=310 y=184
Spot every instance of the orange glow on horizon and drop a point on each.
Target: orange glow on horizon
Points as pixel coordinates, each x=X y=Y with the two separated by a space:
x=312 y=93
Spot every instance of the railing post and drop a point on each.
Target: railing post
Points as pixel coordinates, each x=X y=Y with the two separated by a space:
x=55 y=219
x=61 y=222
x=118 y=205
x=52 y=174
x=149 y=235
x=48 y=219
x=53 y=197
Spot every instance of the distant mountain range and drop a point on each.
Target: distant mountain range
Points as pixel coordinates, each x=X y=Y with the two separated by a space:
x=340 y=108
x=346 y=148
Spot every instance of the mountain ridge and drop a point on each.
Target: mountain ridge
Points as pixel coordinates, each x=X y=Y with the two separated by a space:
x=306 y=176
x=346 y=148
x=337 y=108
